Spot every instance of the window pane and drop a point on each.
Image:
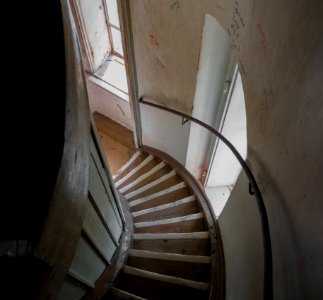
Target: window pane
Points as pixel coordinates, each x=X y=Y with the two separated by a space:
x=113 y=12
x=117 y=42
x=96 y=30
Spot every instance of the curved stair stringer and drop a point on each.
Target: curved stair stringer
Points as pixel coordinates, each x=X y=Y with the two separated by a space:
x=176 y=249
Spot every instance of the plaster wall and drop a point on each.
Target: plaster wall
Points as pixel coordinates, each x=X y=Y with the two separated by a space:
x=279 y=47
x=110 y=105
x=167 y=39
x=165 y=132
x=242 y=239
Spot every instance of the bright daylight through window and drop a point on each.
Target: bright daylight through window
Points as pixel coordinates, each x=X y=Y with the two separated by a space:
x=99 y=20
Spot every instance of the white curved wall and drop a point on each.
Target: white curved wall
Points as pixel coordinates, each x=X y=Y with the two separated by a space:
x=209 y=99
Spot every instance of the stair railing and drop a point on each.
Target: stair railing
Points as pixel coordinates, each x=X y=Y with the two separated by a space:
x=268 y=269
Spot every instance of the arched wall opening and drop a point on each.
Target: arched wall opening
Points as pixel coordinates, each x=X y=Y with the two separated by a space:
x=219 y=102
x=224 y=168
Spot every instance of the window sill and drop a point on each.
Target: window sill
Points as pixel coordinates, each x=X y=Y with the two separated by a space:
x=112 y=77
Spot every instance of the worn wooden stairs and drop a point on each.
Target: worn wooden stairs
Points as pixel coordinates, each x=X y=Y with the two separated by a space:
x=173 y=252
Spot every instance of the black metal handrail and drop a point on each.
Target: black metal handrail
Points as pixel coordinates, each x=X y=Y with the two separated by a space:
x=268 y=269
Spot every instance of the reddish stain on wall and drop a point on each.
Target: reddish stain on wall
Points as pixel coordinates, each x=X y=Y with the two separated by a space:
x=153 y=40
x=263 y=36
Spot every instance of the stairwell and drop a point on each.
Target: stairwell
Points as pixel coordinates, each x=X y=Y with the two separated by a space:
x=173 y=252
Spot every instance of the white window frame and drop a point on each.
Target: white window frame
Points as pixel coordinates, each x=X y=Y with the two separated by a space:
x=112 y=54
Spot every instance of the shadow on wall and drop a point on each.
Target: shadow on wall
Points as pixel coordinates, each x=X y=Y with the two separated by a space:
x=289 y=263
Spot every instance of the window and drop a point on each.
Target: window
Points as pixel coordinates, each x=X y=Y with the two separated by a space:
x=114 y=27
x=102 y=40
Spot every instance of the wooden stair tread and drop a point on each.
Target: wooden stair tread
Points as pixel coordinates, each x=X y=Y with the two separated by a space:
x=169 y=221
x=141 y=178
x=157 y=194
x=165 y=278
x=135 y=160
x=195 y=243
x=172 y=236
x=169 y=197
x=159 y=290
x=163 y=207
x=188 y=223
x=120 y=294
x=119 y=182
x=150 y=165
x=182 y=207
x=150 y=185
x=170 y=256
x=126 y=165
x=192 y=267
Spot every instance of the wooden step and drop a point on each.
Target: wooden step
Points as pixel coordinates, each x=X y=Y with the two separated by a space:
x=194 y=243
x=146 y=178
x=171 y=251
x=182 y=207
x=135 y=160
x=124 y=179
x=171 y=256
x=189 y=223
x=166 y=278
x=158 y=185
x=120 y=294
x=152 y=164
x=161 y=193
x=170 y=197
x=172 y=236
x=191 y=267
x=156 y=286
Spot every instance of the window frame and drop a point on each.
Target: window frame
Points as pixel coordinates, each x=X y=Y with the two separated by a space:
x=109 y=25
x=85 y=39
x=93 y=72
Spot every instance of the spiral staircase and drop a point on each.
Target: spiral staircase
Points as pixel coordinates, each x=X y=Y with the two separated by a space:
x=173 y=253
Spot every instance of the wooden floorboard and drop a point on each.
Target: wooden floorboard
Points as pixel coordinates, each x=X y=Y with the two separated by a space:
x=113 y=129
x=117 y=141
